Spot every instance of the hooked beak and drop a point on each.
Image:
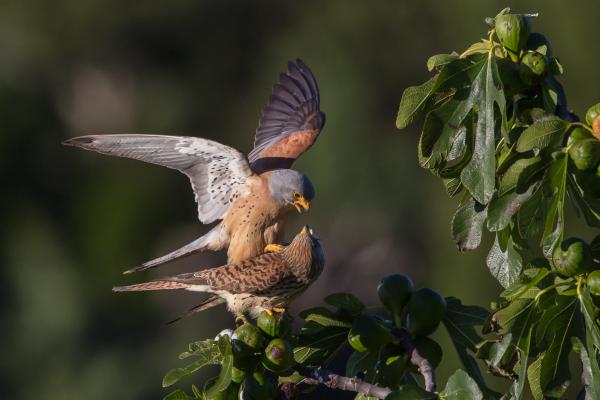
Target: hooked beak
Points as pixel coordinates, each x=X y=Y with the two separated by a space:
x=301 y=204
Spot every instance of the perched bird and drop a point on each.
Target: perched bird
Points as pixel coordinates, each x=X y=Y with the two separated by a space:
x=250 y=195
x=267 y=282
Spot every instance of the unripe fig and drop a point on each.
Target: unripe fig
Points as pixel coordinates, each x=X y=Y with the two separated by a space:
x=572 y=257
x=540 y=43
x=593 y=282
x=368 y=333
x=394 y=292
x=426 y=309
x=578 y=134
x=247 y=340
x=592 y=113
x=596 y=127
x=512 y=31
x=533 y=67
x=585 y=153
x=278 y=356
x=274 y=324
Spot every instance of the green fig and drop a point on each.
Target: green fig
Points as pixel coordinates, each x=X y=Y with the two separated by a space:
x=247 y=340
x=572 y=257
x=278 y=356
x=585 y=153
x=426 y=309
x=593 y=282
x=533 y=67
x=394 y=292
x=274 y=324
x=578 y=134
x=592 y=113
x=512 y=31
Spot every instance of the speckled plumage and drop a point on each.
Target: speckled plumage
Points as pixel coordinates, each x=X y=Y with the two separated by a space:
x=259 y=283
x=251 y=196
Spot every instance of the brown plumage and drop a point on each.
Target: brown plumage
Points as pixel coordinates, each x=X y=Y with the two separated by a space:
x=250 y=195
x=271 y=280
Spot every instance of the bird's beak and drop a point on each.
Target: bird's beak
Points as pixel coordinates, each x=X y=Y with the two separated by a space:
x=301 y=204
x=306 y=230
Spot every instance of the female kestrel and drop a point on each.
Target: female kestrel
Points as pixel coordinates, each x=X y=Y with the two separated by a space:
x=266 y=282
x=250 y=195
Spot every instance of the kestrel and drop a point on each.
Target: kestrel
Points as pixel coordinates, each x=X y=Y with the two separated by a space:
x=253 y=195
x=266 y=282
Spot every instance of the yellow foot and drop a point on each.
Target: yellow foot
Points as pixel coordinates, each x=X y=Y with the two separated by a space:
x=279 y=310
x=273 y=248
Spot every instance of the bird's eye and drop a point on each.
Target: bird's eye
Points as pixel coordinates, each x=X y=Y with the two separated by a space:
x=297 y=195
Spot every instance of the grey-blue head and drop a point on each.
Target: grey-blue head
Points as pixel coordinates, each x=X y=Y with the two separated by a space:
x=290 y=187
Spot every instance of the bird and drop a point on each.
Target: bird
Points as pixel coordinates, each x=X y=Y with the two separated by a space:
x=251 y=195
x=268 y=282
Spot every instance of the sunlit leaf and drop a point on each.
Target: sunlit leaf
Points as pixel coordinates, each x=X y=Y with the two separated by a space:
x=544 y=134
x=504 y=261
x=467 y=225
x=461 y=386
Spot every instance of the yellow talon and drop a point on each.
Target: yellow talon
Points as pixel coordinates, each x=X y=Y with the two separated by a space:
x=280 y=310
x=269 y=312
x=273 y=248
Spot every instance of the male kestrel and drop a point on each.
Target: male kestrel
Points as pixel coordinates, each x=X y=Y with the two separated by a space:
x=266 y=282
x=250 y=195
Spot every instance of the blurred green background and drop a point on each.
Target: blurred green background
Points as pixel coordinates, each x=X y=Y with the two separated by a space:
x=73 y=220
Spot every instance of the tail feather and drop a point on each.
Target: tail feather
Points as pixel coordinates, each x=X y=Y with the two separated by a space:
x=153 y=285
x=214 y=240
x=210 y=302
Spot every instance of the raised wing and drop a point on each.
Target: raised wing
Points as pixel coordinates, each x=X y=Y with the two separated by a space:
x=218 y=173
x=290 y=122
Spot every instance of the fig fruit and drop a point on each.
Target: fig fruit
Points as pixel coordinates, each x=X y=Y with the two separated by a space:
x=426 y=309
x=578 y=134
x=246 y=340
x=394 y=292
x=512 y=31
x=278 y=356
x=585 y=153
x=593 y=282
x=274 y=324
x=533 y=67
x=592 y=113
x=368 y=333
x=572 y=257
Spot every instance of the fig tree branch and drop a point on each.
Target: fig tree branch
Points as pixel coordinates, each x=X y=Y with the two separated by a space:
x=416 y=359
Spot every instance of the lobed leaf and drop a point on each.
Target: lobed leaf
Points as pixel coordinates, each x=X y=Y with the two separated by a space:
x=467 y=225
x=461 y=386
x=504 y=261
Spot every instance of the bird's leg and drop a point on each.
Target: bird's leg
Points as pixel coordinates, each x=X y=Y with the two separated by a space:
x=279 y=310
x=273 y=248
x=241 y=320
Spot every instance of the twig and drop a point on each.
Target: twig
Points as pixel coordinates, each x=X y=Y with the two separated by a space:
x=416 y=359
x=316 y=376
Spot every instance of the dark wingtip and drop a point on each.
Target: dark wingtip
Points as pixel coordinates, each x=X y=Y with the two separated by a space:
x=78 y=141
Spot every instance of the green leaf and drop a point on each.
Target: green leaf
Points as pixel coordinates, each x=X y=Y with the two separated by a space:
x=504 y=261
x=224 y=378
x=531 y=216
x=327 y=321
x=461 y=386
x=439 y=60
x=518 y=387
x=526 y=282
x=467 y=225
x=548 y=133
x=207 y=349
x=360 y=362
x=486 y=92
x=177 y=395
x=589 y=206
x=345 y=301
x=533 y=375
x=502 y=209
x=411 y=392
x=587 y=309
x=460 y=322
x=518 y=174
x=413 y=102
x=591 y=372
x=315 y=349
x=556 y=179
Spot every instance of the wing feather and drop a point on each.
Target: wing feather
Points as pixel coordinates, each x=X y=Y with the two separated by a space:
x=218 y=173
x=291 y=121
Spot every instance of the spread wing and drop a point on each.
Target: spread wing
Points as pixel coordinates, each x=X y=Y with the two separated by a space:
x=218 y=173
x=290 y=122
x=249 y=276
